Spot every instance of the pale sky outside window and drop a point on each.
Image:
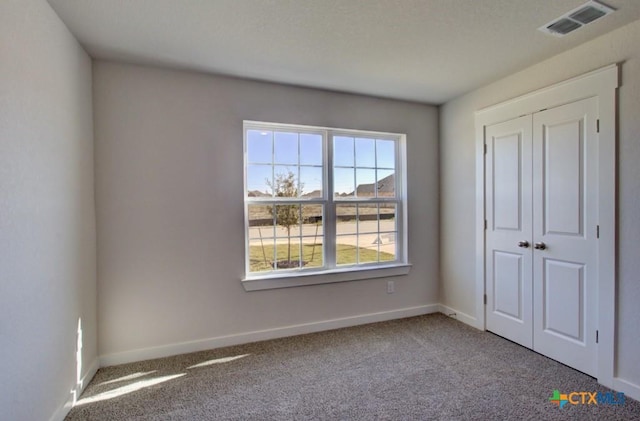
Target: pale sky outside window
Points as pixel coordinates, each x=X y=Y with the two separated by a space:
x=355 y=160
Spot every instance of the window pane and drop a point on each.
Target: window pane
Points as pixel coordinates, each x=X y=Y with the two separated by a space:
x=288 y=253
x=312 y=240
x=386 y=184
x=365 y=153
x=259 y=180
x=368 y=219
x=311 y=181
x=368 y=250
x=313 y=253
x=285 y=183
x=388 y=232
x=286 y=148
x=261 y=255
x=310 y=149
x=388 y=252
x=346 y=250
x=366 y=182
x=386 y=153
x=343 y=182
x=287 y=220
x=346 y=219
x=259 y=146
x=260 y=221
x=312 y=221
x=388 y=217
x=343 y=151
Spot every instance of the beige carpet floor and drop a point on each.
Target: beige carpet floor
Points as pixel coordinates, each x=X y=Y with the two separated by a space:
x=420 y=368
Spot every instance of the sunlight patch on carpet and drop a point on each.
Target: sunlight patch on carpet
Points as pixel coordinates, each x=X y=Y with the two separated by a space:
x=127 y=389
x=129 y=377
x=218 y=361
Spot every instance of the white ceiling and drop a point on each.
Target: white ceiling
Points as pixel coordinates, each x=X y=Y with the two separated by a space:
x=423 y=50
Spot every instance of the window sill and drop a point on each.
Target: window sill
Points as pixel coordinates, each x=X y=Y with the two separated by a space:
x=297 y=279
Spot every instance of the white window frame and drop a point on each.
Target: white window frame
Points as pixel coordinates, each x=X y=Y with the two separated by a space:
x=331 y=272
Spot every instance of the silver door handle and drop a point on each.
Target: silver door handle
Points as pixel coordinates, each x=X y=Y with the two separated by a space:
x=523 y=244
x=540 y=246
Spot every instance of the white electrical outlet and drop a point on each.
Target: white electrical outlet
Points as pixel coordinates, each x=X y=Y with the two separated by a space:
x=391 y=287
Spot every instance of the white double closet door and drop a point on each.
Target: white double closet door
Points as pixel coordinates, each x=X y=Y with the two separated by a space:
x=541 y=237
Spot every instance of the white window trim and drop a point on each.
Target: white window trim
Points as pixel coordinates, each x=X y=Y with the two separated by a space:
x=296 y=277
x=328 y=276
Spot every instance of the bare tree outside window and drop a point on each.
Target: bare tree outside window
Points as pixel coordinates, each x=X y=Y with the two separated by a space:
x=286 y=215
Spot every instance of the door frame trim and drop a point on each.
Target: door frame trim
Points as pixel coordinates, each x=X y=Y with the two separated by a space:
x=601 y=83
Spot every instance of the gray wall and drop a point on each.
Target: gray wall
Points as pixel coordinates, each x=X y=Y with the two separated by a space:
x=47 y=225
x=457 y=156
x=169 y=171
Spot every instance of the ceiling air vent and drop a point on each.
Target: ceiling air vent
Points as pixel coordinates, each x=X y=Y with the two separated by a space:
x=576 y=18
x=563 y=26
x=587 y=14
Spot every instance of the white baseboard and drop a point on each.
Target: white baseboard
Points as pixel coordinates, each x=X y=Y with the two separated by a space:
x=63 y=411
x=458 y=315
x=261 y=335
x=629 y=389
x=88 y=376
